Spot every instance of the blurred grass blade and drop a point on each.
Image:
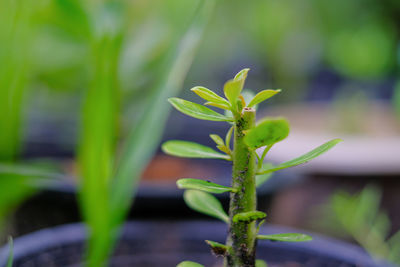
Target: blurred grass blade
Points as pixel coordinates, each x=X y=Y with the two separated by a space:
x=11 y=254
x=289 y=237
x=304 y=158
x=197 y=111
x=187 y=149
x=16 y=30
x=144 y=138
x=206 y=186
x=205 y=203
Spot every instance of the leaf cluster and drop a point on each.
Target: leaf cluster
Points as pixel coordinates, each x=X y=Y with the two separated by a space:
x=265 y=134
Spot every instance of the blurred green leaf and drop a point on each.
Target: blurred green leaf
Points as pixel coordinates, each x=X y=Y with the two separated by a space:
x=262 y=96
x=191 y=150
x=209 y=95
x=205 y=203
x=304 y=158
x=189 y=264
x=268 y=132
x=289 y=237
x=197 y=111
x=144 y=137
x=261 y=263
x=206 y=186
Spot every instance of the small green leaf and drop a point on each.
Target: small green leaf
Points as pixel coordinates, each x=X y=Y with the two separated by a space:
x=262 y=178
x=197 y=111
x=11 y=253
x=217 y=139
x=304 y=158
x=189 y=264
x=289 y=237
x=189 y=183
x=261 y=263
x=249 y=216
x=217 y=248
x=191 y=150
x=209 y=95
x=228 y=137
x=205 y=203
x=268 y=132
x=262 y=96
x=232 y=91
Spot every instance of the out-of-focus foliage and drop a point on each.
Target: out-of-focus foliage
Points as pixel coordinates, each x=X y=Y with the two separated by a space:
x=360 y=217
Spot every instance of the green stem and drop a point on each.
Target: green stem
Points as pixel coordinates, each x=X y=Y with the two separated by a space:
x=242 y=235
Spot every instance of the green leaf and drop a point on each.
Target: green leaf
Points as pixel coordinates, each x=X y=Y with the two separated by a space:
x=249 y=216
x=304 y=158
x=189 y=264
x=209 y=95
x=191 y=150
x=11 y=253
x=289 y=237
x=189 y=183
x=205 y=203
x=218 y=105
x=261 y=263
x=217 y=139
x=268 y=132
x=197 y=111
x=262 y=96
x=232 y=91
x=262 y=178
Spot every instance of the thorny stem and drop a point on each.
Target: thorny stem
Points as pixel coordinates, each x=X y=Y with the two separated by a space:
x=242 y=235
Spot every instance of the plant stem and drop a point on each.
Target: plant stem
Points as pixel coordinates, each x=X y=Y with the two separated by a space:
x=242 y=235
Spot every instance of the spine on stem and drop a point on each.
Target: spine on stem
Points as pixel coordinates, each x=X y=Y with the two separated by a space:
x=242 y=235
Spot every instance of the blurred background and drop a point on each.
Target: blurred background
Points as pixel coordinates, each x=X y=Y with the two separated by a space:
x=337 y=63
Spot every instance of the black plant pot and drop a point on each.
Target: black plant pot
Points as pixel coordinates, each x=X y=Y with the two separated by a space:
x=166 y=244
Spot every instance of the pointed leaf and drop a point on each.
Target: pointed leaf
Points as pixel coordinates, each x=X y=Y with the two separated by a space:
x=289 y=237
x=189 y=183
x=241 y=75
x=197 y=111
x=304 y=158
x=209 y=95
x=189 y=264
x=268 y=132
x=261 y=263
x=205 y=203
x=191 y=150
x=217 y=139
x=262 y=178
x=262 y=96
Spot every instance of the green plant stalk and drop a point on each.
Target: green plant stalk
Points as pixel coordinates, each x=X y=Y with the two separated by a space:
x=242 y=235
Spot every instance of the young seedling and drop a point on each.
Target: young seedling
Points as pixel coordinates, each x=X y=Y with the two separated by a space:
x=248 y=172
